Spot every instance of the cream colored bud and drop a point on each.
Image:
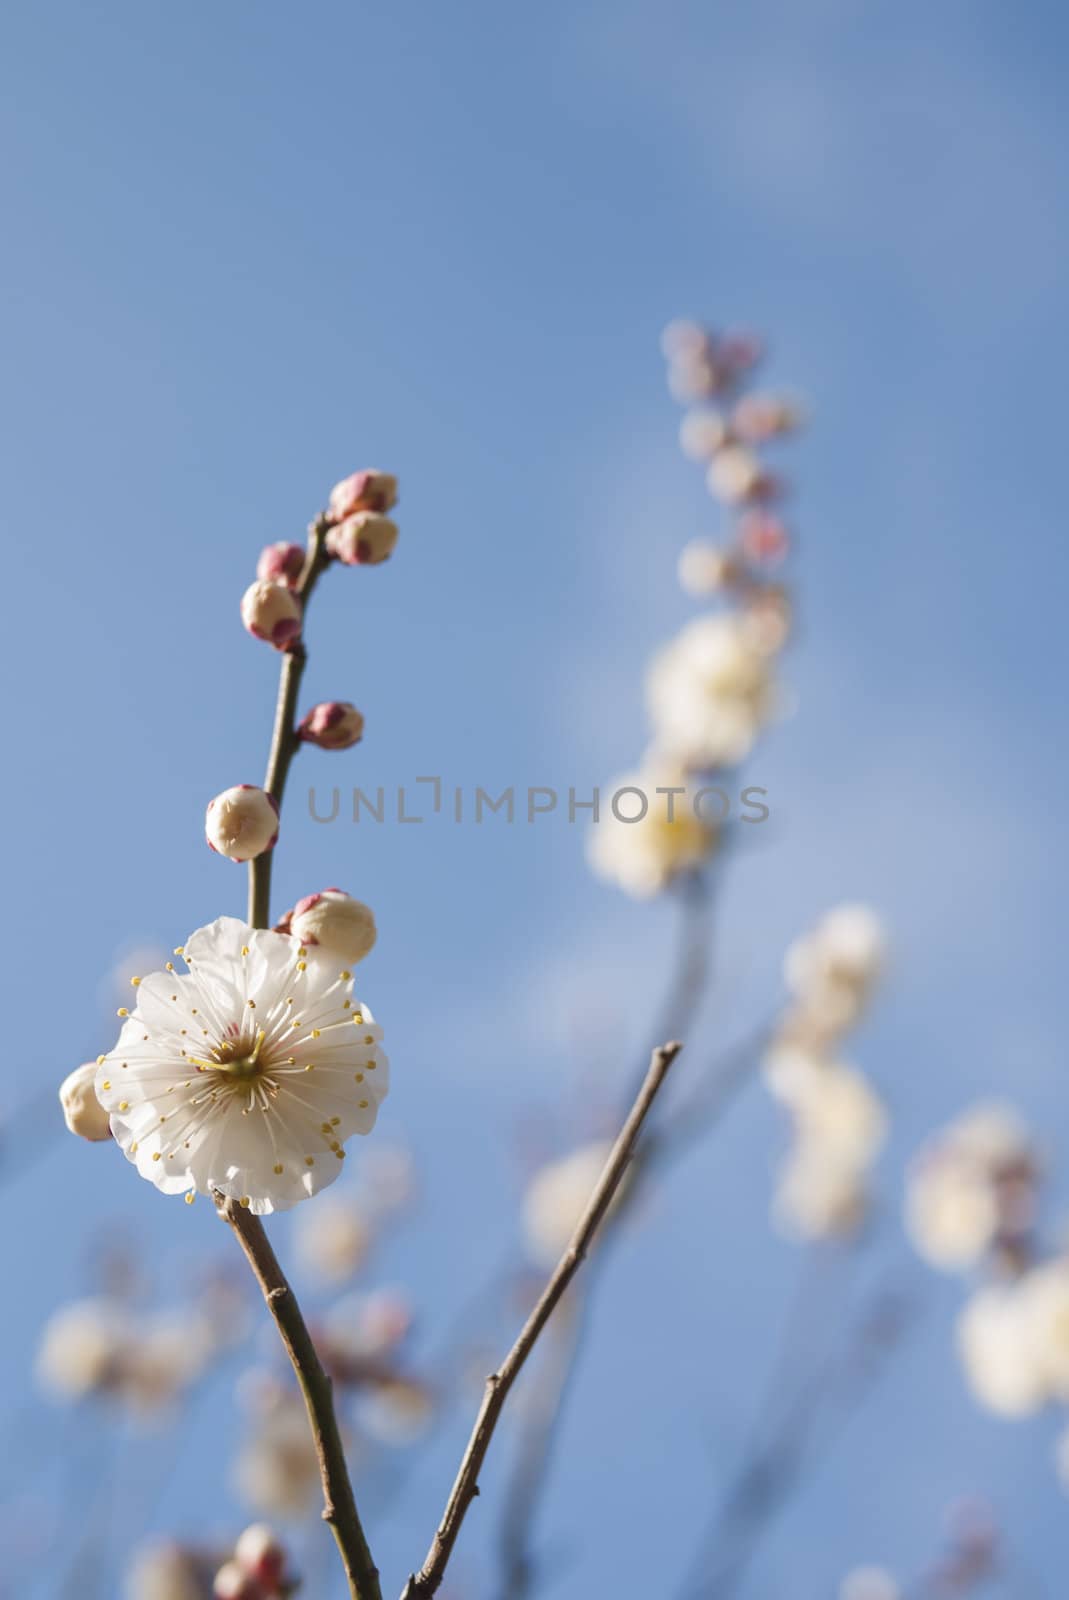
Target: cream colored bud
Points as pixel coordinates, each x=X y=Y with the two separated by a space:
x=734 y=474
x=82 y=1111
x=335 y=923
x=363 y=540
x=270 y=611
x=242 y=822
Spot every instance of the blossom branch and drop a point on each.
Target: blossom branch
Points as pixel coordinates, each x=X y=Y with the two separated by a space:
x=284 y=740
x=339 y=1503
x=426 y=1582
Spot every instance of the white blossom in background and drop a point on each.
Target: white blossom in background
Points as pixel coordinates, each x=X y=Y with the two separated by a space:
x=972 y=1185
x=166 y=1571
x=817 y=1198
x=1000 y=1350
x=869 y=1583
x=276 y=1472
x=147 y=1361
x=710 y=690
x=247 y=1075
x=832 y=971
x=333 y=1241
x=665 y=839
x=556 y=1198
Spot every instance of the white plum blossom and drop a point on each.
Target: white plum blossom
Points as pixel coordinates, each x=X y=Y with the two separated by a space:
x=971 y=1185
x=276 y=1471
x=98 y=1346
x=832 y=970
x=332 y=1242
x=166 y=1571
x=997 y=1340
x=82 y=1111
x=710 y=690
x=818 y=1196
x=245 y=1076
x=706 y=568
x=702 y=433
x=556 y=1198
x=644 y=839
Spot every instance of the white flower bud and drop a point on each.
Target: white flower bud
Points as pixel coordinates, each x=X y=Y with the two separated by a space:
x=335 y=923
x=270 y=611
x=242 y=822
x=705 y=569
x=363 y=540
x=82 y=1111
x=260 y=1553
x=734 y=474
x=701 y=434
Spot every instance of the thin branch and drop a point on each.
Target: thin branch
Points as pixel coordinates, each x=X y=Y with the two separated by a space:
x=425 y=1583
x=339 y=1503
x=284 y=740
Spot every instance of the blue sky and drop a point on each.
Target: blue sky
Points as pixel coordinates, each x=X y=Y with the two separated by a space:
x=250 y=249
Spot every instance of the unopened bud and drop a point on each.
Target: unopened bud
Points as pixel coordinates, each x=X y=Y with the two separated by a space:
x=701 y=434
x=763 y=538
x=242 y=822
x=332 y=725
x=232 y=1582
x=260 y=1554
x=281 y=563
x=734 y=474
x=705 y=569
x=362 y=491
x=271 y=612
x=336 y=923
x=82 y=1111
x=363 y=540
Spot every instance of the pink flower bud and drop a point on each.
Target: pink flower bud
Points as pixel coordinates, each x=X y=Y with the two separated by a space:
x=261 y=1555
x=362 y=491
x=759 y=417
x=763 y=538
x=339 y=925
x=281 y=563
x=271 y=612
x=232 y=1582
x=363 y=540
x=332 y=725
x=242 y=822
x=82 y=1111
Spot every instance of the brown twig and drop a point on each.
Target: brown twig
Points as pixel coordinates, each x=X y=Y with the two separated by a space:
x=421 y=1585
x=339 y=1503
x=284 y=740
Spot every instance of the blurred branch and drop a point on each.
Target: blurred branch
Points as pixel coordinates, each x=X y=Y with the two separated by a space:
x=425 y=1583
x=339 y=1502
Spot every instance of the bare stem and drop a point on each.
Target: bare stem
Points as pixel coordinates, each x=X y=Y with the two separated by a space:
x=425 y=1583
x=339 y=1503
x=284 y=740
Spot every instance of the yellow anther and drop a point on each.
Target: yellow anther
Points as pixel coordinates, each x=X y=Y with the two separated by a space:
x=124 y=1105
x=346 y=975
x=191 y=1196
x=245 y=1201
x=179 y=949
x=122 y=1012
x=302 y=966
x=106 y=1084
x=252 y=1005
x=334 y=1121
x=362 y=1104
x=316 y=1032
x=156 y=1155
x=170 y=966
x=340 y=1153
x=309 y=1066
x=369 y=1038
x=359 y=1076
x=244 y=949
x=133 y=1148
x=101 y=1060
x=135 y=982
x=309 y=1161
x=278 y=1169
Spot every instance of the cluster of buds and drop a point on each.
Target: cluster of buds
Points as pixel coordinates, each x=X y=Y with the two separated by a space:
x=710 y=690
x=359 y=532
x=257 y=1570
x=838 y=1122
x=726 y=429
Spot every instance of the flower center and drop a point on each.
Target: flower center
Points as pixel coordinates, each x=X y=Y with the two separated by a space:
x=237 y=1057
